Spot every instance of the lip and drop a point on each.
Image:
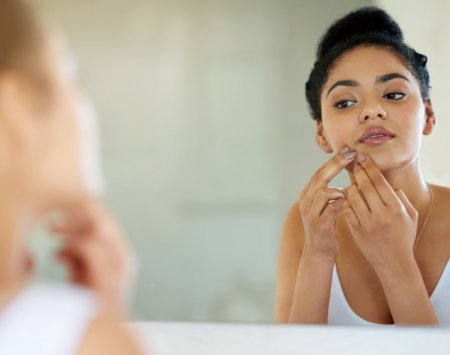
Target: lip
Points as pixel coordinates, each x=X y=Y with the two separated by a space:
x=380 y=134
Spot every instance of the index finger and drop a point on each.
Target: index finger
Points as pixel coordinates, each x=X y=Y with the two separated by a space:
x=384 y=189
x=329 y=170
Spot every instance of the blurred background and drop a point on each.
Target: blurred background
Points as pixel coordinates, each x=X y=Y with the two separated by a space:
x=206 y=138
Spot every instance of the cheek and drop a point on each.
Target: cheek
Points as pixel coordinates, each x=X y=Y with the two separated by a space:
x=337 y=134
x=410 y=121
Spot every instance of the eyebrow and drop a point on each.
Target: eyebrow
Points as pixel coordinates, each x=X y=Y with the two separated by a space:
x=378 y=80
x=387 y=77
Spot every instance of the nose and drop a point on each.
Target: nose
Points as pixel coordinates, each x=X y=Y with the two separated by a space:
x=372 y=111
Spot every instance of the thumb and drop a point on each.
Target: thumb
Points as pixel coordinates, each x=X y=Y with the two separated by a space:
x=334 y=206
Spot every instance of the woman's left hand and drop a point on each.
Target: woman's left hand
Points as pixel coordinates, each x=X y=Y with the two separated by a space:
x=382 y=221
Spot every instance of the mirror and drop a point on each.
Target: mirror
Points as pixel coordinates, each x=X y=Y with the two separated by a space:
x=206 y=137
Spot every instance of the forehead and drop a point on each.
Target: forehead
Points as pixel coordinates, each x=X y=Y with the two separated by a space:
x=365 y=64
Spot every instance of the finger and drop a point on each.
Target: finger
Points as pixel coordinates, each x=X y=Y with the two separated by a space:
x=87 y=263
x=62 y=231
x=327 y=172
x=74 y=269
x=322 y=199
x=99 y=224
x=332 y=209
x=412 y=212
x=78 y=220
x=349 y=215
x=111 y=236
x=367 y=189
x=383 y=188
x=70 y=227
x=98 y=271
x=111 y=244
x=357 y=204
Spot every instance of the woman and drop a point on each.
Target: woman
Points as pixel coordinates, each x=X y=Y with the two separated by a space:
x=375 y=252
x=42 y=112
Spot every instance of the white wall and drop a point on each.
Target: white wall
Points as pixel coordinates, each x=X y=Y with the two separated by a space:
x=207 y=140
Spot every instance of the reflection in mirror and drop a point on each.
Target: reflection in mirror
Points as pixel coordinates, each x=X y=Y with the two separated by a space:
x=207 y=139
x=364 y=254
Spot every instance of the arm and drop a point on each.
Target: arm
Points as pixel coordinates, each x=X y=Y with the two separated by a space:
x=309 y=247
x=406 y=294
x=303 y=279
x=312 y=291
x=106 y=336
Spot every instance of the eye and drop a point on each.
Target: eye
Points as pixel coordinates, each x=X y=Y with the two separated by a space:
x=341 y=105
x=394 y=96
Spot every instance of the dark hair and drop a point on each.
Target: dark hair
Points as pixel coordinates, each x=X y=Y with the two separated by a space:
x=21 y=36
x=366 y=26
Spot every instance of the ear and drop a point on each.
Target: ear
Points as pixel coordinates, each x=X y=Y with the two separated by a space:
x=430 y=119
x=321 y=140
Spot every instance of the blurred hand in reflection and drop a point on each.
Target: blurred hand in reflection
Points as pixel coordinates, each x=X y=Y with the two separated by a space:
x=96 y=254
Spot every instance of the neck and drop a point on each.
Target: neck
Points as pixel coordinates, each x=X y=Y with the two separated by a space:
x=409 y=179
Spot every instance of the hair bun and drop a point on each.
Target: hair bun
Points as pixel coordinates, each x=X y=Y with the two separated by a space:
x=359 y=22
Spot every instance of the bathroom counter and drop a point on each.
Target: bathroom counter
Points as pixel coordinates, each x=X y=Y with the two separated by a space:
x=172 y=338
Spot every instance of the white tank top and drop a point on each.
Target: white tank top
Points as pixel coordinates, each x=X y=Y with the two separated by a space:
x=340 y=312
x=46 y=319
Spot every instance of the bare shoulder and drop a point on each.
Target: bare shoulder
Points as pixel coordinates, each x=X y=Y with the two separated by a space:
x=293 y=230
x=292 y=238
x=440 y=193
x=438 y=235
x=107 y=336
x=441 y=203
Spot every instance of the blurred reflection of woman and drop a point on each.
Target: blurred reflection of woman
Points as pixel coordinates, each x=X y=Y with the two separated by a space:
x=43 y=118
x=377 y=251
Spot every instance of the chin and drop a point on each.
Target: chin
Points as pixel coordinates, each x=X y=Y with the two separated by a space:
x=388 y=161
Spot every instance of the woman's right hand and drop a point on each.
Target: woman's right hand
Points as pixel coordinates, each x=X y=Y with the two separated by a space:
x=319 y=206
x=97 y=255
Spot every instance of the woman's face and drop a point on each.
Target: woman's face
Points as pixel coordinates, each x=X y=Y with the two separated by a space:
x=372 y=103
x=68 y=154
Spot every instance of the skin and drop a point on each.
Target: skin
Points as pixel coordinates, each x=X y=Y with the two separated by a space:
x=369 y=229
x=41 y=173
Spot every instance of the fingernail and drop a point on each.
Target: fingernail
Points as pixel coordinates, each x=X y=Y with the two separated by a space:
x=345 y=150
x=350 y=155
x=361 y=156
